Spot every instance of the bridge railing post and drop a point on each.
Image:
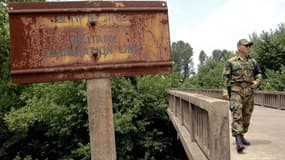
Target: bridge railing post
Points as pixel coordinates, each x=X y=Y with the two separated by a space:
x=219 y=131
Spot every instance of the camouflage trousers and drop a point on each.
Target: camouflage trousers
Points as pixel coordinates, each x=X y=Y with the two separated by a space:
x=241 y=107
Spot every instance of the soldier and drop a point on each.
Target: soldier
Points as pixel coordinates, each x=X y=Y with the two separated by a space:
x=241 y=76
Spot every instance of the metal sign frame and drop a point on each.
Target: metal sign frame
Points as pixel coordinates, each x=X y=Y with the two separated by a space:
x=56 y=41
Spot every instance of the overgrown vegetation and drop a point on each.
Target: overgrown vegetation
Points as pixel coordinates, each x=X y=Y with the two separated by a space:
x=49 y=120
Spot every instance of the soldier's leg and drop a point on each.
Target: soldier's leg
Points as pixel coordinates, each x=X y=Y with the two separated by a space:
x=247 y=112
x=236 y=110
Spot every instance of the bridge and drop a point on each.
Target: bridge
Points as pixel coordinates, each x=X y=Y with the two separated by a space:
x=202 y=121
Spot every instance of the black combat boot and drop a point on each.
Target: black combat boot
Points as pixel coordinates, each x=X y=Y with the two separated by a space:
x=239 y=143
x=244 y=141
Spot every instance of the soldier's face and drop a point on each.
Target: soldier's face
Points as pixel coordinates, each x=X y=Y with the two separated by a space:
x=244 y=48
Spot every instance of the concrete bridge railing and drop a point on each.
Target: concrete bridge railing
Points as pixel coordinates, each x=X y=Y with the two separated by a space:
x=202 y=124
x=272 y=99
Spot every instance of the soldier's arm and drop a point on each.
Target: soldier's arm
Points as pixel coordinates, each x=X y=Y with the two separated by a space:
x=257 y=74
x=226 y=78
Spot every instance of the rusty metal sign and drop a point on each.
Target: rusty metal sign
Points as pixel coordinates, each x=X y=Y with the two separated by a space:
x=58 y=41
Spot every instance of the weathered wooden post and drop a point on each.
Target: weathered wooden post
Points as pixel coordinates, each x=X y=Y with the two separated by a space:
x=93 y=40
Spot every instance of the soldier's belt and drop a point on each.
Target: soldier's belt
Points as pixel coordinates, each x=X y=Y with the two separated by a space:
x=241 y=84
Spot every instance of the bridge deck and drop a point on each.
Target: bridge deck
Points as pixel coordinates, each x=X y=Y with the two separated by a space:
x=266 y=134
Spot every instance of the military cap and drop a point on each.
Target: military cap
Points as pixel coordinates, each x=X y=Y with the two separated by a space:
x=244 y=42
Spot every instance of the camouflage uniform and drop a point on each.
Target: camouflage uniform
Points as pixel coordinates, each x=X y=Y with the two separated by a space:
x=239 y=74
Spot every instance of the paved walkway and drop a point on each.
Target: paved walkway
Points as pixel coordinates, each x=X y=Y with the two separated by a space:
x=266 y=134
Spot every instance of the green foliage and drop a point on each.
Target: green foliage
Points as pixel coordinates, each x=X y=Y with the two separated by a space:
x=45 y=102
x=4 y=43
x=9 y=98
x=82 y=153
x=275 y=80
x=182 y=54
x=269 y=48
x=52 y=123
x=192 y=82
x=202 y=57
x=142 y=128
x=210 y=73
x=8 y=92
x=18 y=157
x=221 y=55
x=269 y=51
x=209 y=76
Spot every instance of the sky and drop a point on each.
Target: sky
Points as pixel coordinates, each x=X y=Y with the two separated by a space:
x=218 y=24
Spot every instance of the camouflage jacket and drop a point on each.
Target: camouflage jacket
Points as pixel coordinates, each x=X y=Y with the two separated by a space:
x=237 y=70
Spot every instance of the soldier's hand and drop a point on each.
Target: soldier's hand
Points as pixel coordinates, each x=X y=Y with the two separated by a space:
x=225 y=96
x=254 y=84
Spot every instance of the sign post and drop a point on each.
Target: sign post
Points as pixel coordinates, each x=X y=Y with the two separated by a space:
x=100 y=115
x=93 y=40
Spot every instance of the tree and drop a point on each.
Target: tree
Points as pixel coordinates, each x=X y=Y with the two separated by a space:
x=4 y=43
x=8 y=91
x=142 y=127
x=210 y=73
x=202 y=57
x=275 y=80
x=269 y=48
x=182 y=56
x=220 y=55
x=50 y=123
x=269 y=51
